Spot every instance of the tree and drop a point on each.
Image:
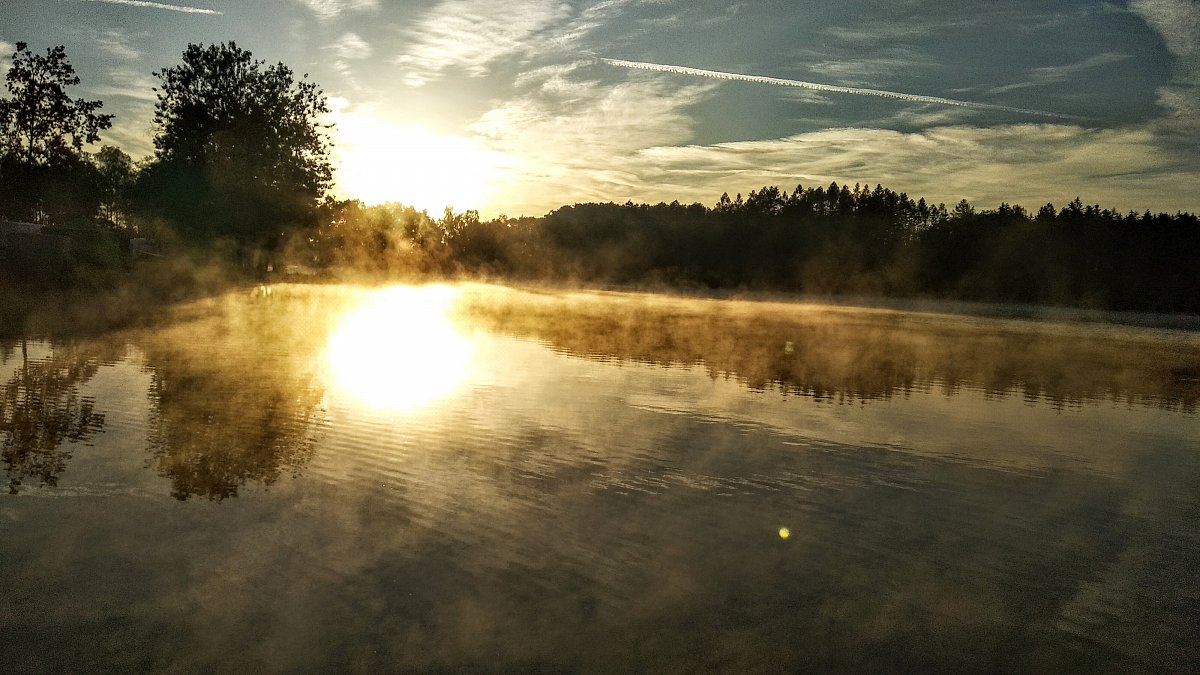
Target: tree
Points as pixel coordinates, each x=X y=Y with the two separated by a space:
x=963 y=209
x=44 y=173
x=42 y=409
x=240 y=150
x=43 y=125
x=116 y=176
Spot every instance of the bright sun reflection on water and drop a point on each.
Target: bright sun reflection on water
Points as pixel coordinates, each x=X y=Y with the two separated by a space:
x=399 y=351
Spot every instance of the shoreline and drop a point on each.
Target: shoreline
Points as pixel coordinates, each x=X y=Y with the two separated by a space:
x=80 y=309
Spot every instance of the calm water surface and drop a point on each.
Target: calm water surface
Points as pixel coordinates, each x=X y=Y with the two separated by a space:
x=484 y=479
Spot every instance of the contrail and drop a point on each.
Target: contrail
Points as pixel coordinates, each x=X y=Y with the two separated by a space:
x=780 y=82
x=157 y=5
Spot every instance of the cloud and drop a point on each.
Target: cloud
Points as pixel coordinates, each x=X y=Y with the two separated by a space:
x=570 y=138
x=157 y=5
x=730 y=13
x=860 y=71
x=472 y=34
x=586 y=21
x=7 y=49
x=1027 y=163
x=1178 y=22
x=866 y=34
x=815 y=86
x=805 y=96
x=350 y=46
x=124 y=82
x=329 y=9
x=575 y=140
x=130 y=131
x=1040 y=77
x=117 y=44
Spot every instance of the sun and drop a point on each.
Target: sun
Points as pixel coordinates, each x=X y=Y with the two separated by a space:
x=380 y=162
x=398 y=351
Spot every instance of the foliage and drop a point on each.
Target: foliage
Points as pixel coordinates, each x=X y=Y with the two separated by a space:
x=41 y=124
x=45 y=175
x=240 y=148
x=824 y=240
x=117 y=175
x=41 y=409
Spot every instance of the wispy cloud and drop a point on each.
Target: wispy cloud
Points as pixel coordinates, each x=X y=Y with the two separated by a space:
x=1055 y=162
x=1178 y=22
x=472 y=34
x=571 y=137
x=908 y=27
x=350 y=46
x=587 y=20
x=860 y=70
x=574 y=138
x=1040 y=77
x=730 y=13
x=128 y=83
x=328 y=9
x=117 y=44
x=866 y=34
x=347 y=48
x=130 y=130
x=816 y=86
x=157 y=5
x=6 y=51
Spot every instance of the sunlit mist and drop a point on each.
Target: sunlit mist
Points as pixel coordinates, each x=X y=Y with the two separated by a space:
x=381 y=162
x=399 y=351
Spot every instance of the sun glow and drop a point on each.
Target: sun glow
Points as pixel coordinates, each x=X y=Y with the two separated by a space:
x=399 y=351
x=381 y=162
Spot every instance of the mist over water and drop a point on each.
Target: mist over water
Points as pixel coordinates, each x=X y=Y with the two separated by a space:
x=597 y=481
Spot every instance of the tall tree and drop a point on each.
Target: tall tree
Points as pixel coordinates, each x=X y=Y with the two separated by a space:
x=44 y=173
x=41 y=123
x=241 y=151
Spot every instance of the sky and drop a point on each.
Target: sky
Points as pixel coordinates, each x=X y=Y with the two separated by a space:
x=521 y=106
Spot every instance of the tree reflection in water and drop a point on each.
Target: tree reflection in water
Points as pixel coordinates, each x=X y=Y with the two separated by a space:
x=854 y=355
x=235 y=394
x=42 y=412
x=237 y=387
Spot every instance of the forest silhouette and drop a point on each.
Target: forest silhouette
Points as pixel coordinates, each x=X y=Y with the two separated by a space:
x=241 y=173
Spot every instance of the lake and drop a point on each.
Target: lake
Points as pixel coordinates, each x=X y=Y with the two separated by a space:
x=487 y=479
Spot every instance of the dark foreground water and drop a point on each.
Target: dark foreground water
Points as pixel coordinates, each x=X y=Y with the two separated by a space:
x=331 y=479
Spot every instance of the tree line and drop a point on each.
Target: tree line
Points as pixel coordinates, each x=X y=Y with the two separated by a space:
x=823 y=240
x=241 y=164
x=241 y=155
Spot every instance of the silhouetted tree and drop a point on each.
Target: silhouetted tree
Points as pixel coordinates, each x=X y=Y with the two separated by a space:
x=44 y=173
x=42 y=124
x=240 y=149
x=117 y=175
x=823 y=240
